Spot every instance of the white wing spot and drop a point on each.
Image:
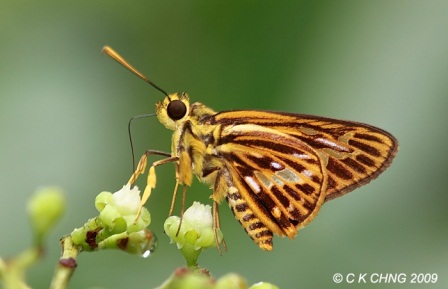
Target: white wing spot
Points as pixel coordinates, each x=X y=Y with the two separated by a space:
x=307 y=173
x=331 y=144
x=252 y=184
x=276 y=165
x=301 y=156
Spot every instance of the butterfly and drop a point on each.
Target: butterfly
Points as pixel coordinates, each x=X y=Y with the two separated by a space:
x=274 y=169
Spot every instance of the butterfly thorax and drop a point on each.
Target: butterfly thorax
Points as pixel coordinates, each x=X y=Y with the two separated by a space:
x=194 y=139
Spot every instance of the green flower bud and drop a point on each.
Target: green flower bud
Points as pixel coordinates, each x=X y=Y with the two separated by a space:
x=141 y=243
x=263 y=285
x=112 y=220
x=102 y=200
x=45 y=208
x=231 y=281
x=184 y=278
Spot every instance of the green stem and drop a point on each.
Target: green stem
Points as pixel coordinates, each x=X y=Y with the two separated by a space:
x=13 y=272
x=190 y=255
x=67 y=263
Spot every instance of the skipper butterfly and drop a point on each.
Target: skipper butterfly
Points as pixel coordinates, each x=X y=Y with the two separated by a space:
x=274 y=169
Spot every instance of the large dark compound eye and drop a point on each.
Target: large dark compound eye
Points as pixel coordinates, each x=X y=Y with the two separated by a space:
x=176 y=109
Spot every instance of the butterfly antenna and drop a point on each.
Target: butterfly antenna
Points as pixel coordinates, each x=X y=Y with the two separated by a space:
x=130 y=135
x=117 y=57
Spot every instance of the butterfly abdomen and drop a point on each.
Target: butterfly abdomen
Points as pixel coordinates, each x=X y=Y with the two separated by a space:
x=248 y=220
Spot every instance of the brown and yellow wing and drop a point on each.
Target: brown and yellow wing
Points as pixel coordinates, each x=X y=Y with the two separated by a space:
x=277 y=182
x=280 y=167
x=352 y=153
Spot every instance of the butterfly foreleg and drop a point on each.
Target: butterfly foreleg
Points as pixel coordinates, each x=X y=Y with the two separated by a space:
x=151 y=180
x=141 y=166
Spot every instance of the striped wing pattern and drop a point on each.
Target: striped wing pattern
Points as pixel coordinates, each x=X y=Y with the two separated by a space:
x=284 y=166
x=281 y=192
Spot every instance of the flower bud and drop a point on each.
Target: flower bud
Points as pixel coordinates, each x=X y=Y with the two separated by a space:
x=141 y=243
x=44 y=209
x=263 y=285
x=231 y=281
x=195 y=233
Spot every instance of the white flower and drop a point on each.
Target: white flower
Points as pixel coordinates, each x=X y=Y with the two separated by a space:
x=199 y=216
x=126 y=200
x=118 y=211
x=196 y=228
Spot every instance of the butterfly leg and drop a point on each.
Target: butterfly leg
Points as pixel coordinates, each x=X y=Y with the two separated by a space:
x=173 y=199
x=184 y=193
x=217 y=227
x=151 y=181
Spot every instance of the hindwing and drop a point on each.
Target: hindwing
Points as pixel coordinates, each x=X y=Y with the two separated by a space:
x=280 y=177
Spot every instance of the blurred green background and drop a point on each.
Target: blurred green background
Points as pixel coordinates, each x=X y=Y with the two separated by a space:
x=64 y=109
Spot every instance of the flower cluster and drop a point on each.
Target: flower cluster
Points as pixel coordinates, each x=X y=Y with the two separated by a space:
x=118 y=211
x=117 y=226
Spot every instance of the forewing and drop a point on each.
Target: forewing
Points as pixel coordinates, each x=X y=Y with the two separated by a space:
x=351 y=153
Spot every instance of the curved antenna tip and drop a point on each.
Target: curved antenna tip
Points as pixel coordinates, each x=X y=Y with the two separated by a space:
x=118 y=58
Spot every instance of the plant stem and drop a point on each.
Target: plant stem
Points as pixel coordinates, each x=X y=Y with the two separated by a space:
x=67 y=263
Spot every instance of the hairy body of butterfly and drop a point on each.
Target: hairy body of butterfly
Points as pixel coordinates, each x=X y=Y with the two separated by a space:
x=274 y=169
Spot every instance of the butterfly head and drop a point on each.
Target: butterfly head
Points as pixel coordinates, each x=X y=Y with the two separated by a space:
x=173 y=110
